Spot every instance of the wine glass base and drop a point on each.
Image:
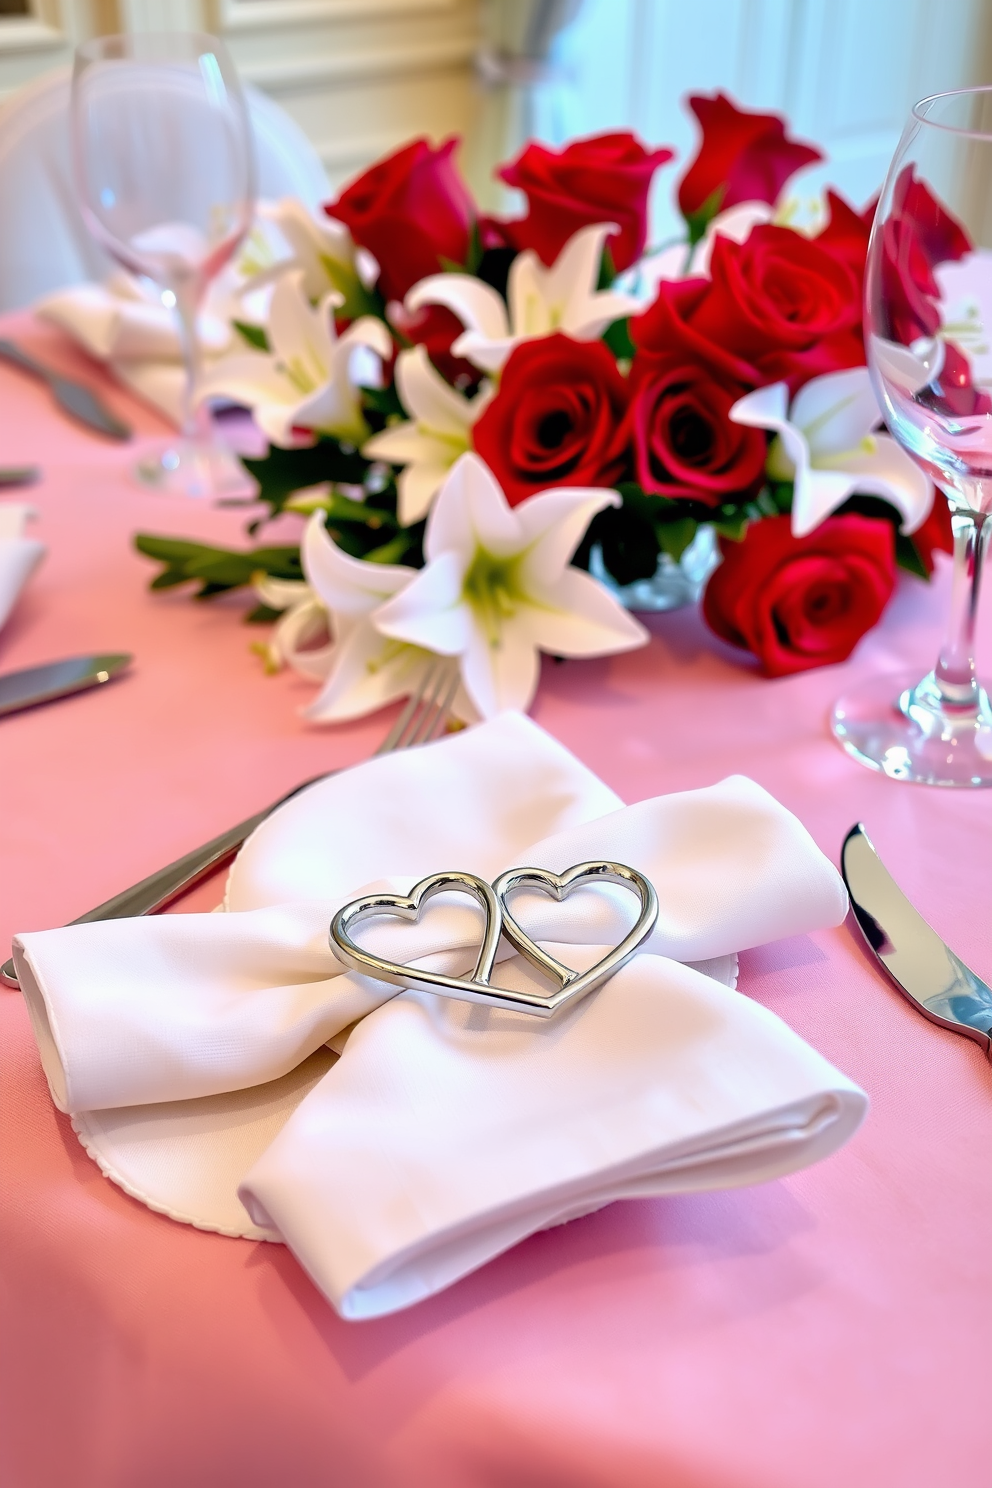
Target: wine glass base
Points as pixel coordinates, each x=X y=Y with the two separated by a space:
x=203 y=469
x=901 y=727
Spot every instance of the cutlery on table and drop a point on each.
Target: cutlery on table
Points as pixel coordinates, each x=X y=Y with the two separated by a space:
x=74 y=398
x=57 y=679
x=423 y=719
x=19 y=475
x=926 y=971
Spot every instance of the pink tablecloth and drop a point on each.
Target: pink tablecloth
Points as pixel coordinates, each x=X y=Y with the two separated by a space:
x=834 y=1328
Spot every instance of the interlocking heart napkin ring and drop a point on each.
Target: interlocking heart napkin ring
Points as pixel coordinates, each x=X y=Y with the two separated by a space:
x=572 y=985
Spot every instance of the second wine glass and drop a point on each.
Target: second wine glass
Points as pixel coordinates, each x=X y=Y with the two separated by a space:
x=928 y=323
x=165 y=171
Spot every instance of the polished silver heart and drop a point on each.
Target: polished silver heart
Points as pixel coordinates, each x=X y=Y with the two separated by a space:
x=573 y=985
x=409 y=907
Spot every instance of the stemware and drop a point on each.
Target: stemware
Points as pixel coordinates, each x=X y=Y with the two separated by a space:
x=928 y=316
x=165 y=173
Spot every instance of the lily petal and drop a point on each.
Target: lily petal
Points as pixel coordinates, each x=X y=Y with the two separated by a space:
x=470 y=513
x=478 y=306
x=430 y=611
x=836 y=411
x=301 y=339
x=416 y=488
x=553 y=523
x=369 y=672
x=888 y=471
x=487 y=355
x=347 y=586
x=428 y=398
x=817 y=494
x=502 y=676
x=579 y=617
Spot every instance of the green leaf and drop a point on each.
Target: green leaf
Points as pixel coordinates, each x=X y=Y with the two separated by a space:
x=356 y=299
x=254 y=335
x=908 y=556
x=283 y=471
x=675 y=536
x=395 y=550
x=617 y=338
x=384 y=400
x=216 y=570
x=733 y=526
x=475 y=250
x=698 y=222
x=607 y=269
x=262 y=614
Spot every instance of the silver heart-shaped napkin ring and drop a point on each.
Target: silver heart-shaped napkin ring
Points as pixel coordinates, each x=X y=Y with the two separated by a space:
x=409 y=907
x=572 y=985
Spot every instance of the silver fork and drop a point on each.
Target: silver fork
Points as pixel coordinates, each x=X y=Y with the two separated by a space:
x=422 y=719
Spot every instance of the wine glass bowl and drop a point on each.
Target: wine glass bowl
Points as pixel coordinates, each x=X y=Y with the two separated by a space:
x=928 y=336
x=165 y=173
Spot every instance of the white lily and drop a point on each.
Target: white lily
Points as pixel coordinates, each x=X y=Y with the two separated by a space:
x=498 y=588
x=305 y=380
x=437 y=433
x=303 y=622
x=540 y=300
x=365 y=669
x=824 y=442
x=321 y=247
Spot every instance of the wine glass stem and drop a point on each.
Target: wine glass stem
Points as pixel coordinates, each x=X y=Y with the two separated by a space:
x=955 y=669
x=187 y=304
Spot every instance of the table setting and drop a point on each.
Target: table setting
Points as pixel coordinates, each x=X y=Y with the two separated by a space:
x=516 y=1010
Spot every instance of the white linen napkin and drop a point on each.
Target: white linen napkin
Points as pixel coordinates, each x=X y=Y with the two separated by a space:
x=191 y=1048
x=124 y=323
x=19 y=555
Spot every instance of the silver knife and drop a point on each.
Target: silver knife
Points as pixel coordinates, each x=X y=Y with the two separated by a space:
x=74 y=398
x=19 y=475
x=926 y=971
x=56 y=679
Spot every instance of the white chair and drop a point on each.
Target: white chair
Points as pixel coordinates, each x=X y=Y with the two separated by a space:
x=44 y=244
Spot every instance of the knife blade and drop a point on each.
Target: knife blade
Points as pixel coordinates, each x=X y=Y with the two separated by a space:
x=56 y=679
x=74 y=398
x=19 y=475
x=925 y=970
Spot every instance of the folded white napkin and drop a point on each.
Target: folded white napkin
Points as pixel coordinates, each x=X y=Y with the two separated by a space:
x=124 y=322
x=191 y=1049
x=19 y=555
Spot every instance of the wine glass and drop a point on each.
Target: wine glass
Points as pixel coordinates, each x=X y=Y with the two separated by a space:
x=165 y=172
x=928 y=332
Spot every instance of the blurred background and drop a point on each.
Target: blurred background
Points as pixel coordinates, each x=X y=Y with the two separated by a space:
x=362 y=76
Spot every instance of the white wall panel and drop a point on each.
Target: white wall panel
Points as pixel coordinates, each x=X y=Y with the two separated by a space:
x=844 y=71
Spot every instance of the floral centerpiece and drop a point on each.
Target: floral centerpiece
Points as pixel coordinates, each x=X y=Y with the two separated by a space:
x=473 y=410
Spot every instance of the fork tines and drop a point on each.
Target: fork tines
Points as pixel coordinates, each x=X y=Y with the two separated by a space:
x=427 y=709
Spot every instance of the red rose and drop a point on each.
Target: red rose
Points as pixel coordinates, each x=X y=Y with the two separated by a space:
x=952 y=394
x=601 y=179
x=410 y=210
x=846 y=234
x=684 y=441
x=917 y=234
x=784 y=304
x=801 y=602
x=742 y=157
x=558 y=418
x=668 y=329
